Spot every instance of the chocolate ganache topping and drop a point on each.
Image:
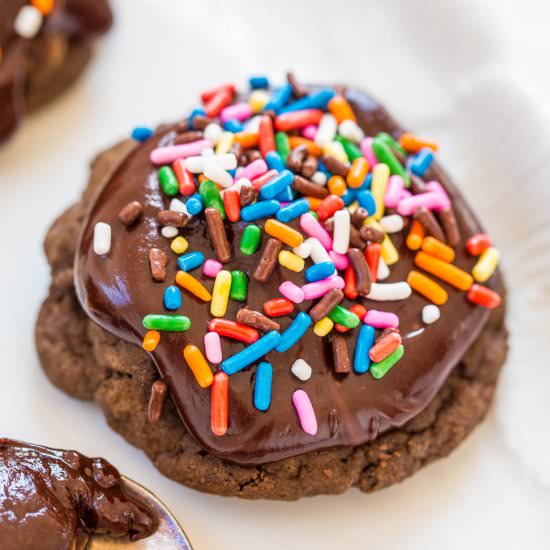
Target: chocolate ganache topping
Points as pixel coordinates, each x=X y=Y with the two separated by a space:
x=116 y=290
x=54 y=500
x=70 y=23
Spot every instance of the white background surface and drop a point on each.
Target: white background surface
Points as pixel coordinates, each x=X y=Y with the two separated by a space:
x=473 y=75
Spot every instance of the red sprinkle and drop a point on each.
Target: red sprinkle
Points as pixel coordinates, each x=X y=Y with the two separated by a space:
x=483 y=296
x=232 y=329
x=372 y=255
x=208 y=94
x=232 y=204
x=260 y=181
x=267 y=138
x=217 y=102
x=278 y=307
x=476 y=244
x=186 y=181
x=329 y=205
x=298 y=119
x=350 y=283
x=219 y=403
x=385 y=346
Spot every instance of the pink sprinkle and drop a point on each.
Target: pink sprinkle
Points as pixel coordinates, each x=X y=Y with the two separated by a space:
x=165 y=155
x=305 y=411
x=320 y=288
x=292 y=292
x=366 y=149
x=393 y=191
x=253 y=170
x=213 y=347
x=239 y=111
x=436 y=187
x=381 y=319
x=211 y=268
x=405 y=194
x=339 y=260
x=432 y=200
x=314 y=229
x=309 y=131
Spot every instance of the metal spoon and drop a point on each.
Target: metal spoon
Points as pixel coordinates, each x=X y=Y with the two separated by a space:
x=168 y=535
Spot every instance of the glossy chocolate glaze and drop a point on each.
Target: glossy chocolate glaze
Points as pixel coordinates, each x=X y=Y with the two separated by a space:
x=117 y=291
x=54 y=500
x=78 y=19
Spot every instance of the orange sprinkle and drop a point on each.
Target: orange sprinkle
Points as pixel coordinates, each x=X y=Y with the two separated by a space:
x=219 y=403
x=341 y=109
x=413 y=144
x=440 y=250
x=357 y=172
x=446 y=272
x=45 y=7
x=312 y=147
x=151 y=340
x=247 y=139
x=283 y=232
x=428 y=288
x=198 y=365
x=314 y=203
x=194 y=286
x=337 y=185
x=202 y=178
x=416 y=235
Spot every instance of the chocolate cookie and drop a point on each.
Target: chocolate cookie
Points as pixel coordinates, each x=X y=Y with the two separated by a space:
x=45 y=45
x=401 y=424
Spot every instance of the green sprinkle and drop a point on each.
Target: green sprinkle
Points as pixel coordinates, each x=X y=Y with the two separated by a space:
x=344 y=317
x=380 y=369
x=239 y=285
x=385 y=155
x=173 y=323
x=168 y=181
x=211 y=196
x=392 y=143
x=250 y=239
x=314 y=214
x=282 y=145
x=351 y=149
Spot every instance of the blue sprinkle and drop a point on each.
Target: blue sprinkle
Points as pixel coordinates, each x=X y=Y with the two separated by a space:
x=316 y=100
x=365 y=341
x=274 y=161
x=286 y=195
x=141 y=133
x=172 y=298
x=190 y=261
x=193 y=114
x=320 y=271
x=276 y=184
x=322 y=168
x=349 y=196
x=262 y=386
x=194 y=204
x=422 y=161
x=294 y=332
x=251 y=353
x=256 y=82
x=233 y=125
x=366 y=200
x=293 y=210
x=259 y=210
x=279 y=98
x=232 y=172
x=367 y=183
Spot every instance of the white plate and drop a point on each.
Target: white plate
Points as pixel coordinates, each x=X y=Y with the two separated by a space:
x=441 y=68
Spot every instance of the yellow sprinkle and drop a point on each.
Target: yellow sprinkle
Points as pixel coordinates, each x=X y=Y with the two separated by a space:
x=291 y=261
x=224 y=143
x=380 y=176
x=486 y=264
x=323 y=327
x=220 y=293
x=336 y=149
x=258 y=100
x=388 y=251
x=179 y=245
x=353 y=207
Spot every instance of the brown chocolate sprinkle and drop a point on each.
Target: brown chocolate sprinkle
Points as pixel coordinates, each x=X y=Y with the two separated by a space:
x=309 y=166
x=359 y=216
x=238 y=150
x=159 y=389
x=157 y=263
x=296 y=158
x=362 y=271
x=182 y=126
x=251 y=155
x=218 y=236
x=418 y=185
x=268 y=261
x=130 y=213
x=431 y=225
x=298 y=90
x=309 y=188
x=326 y=304
x=450 y=226
x=187 y=137
x=247 y=195
x=340 y=355
x=372 y=234
x=333 y=422
x=200 y=122
x=335 y=166
x=172 y=217
x=256 y=320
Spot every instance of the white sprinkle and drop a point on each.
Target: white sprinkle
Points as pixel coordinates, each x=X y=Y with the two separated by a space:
x=213 y=132
x=253 y=125
x=304 y=250
x=383 y=270
x=196 y=164
x=326 y=131
x=301 y=370
x=349 y=130
x=208 y=152
x=320 y=178
x=28 y=22
x=178 y=206
x=102 y=238
x=430 y=314
x=389 y=291
x=169 y=231
x=340 y=242
x=218 y=175
x=392 y=224
x=318 y=252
